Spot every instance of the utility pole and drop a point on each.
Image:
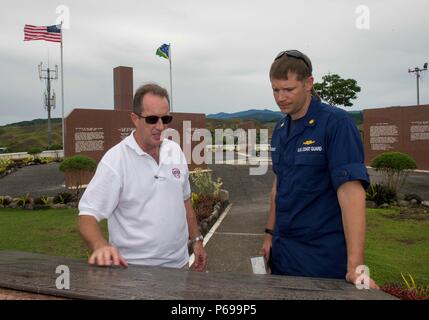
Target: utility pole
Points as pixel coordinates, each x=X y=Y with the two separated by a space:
x=417 y=71
x=49 y=100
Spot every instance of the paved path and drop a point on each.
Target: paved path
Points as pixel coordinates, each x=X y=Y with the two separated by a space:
x=240 y=234
x=37 y=180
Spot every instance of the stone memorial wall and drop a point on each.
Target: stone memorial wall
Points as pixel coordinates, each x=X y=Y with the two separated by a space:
x=402 y=129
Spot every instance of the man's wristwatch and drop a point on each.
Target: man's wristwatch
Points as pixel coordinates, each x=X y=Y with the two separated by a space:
x=269 y=231
x=199 y=238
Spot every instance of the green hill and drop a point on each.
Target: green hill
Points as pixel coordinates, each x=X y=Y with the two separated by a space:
x=24 y=135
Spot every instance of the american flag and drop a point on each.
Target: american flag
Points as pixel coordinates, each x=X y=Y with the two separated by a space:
x=48 y=33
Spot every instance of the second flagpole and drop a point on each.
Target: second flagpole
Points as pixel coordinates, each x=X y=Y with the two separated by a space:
x=171 y=78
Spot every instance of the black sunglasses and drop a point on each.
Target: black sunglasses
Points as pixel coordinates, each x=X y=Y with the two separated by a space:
x=154 y=119
x=294 y=54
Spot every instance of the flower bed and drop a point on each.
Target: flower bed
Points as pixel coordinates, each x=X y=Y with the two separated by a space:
x=208 y=210
x=403 y=293
x=61 y=201
x=410 y=290
x=209 y=220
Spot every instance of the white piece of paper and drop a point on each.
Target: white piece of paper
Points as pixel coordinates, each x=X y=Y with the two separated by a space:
x=258 y=265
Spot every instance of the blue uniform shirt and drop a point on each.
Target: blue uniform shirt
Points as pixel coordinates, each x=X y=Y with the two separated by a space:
x=322 y=151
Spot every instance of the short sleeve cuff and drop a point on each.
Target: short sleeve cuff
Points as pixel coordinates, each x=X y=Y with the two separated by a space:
x=187 y=189
x=88 y=212
x=350 y=172
x=186 y=197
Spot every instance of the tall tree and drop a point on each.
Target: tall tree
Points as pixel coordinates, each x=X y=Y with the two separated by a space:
x=336 y=90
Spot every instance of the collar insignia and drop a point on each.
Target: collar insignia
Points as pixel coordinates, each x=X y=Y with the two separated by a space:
x=309 y=142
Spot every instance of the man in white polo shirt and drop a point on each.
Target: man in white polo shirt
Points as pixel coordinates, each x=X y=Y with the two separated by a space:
x=142 y=187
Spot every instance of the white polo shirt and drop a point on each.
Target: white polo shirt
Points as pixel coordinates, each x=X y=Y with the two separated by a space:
x=143 y=202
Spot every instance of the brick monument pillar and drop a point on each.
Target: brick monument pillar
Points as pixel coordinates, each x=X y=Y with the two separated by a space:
x=123 y=88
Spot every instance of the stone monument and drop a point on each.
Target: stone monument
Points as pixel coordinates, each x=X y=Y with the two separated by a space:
x=402 y=129
x=92 y=132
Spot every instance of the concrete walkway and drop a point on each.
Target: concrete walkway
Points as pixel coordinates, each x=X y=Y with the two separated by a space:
x=240 y=234
x=37 y=180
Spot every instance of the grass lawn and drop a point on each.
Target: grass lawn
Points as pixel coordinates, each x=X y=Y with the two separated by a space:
x=397 y=243
x=52 y=232
x=394 y=243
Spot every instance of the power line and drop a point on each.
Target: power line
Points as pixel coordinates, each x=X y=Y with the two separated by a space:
x=49 y=99
x=417 y=71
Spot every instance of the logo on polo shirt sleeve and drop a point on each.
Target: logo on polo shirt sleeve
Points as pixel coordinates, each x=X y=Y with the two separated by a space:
x=176 y=173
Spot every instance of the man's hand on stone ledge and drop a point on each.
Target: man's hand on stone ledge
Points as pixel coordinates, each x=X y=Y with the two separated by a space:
x=107 y=255
x=200 y=256
x=356 y=278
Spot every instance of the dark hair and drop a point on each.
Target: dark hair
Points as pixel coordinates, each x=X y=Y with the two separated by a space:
x=282 y=66
x=144 y=89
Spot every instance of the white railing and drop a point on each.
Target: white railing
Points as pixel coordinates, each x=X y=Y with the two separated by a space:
x=22 y=155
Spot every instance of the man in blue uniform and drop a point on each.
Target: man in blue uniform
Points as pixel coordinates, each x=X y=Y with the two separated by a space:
x=316 y=224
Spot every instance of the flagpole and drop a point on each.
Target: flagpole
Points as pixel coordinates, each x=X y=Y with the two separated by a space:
x=171 y=78
x=62 y=89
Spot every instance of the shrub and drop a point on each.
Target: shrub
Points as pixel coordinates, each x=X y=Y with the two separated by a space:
x=46 y=160
x=77 y=166
x=203 y=207
x=23 y=200
x=5 y=164
x=194 y=198
x=55 y=147
x=204 y=184
x=410 y=284
x=409 y=289
x=26 y=161
x=41 y=201
x=37 y=161
x=5 y=201
x=394 y=167
x=401 y=293
x=34 y=151
x=64 y=198
x=380 y=193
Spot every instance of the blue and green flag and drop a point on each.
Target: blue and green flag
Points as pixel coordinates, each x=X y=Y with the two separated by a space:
x=164 y=51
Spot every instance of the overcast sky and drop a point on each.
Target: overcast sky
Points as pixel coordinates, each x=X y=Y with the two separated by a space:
x=221 y=50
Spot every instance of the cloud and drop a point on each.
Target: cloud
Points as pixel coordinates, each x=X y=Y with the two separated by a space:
x=221 y=51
